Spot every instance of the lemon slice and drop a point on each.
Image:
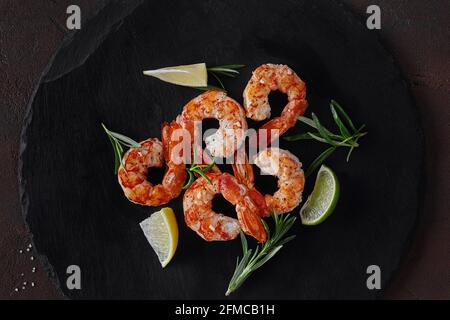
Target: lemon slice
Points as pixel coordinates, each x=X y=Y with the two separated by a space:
x=323 y=199
x=161 y=231
x=191 y=75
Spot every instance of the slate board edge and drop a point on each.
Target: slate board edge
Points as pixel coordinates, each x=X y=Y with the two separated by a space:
x=104 y=21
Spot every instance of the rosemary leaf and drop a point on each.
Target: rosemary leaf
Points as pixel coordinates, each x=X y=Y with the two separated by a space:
x=320 y=128
x=267 y=257
x=296 y=137
x=319 y=160
x=307 y=121
x=190 y=180
x=342 y=128
x=253 y=260
x=349 y=154
x=244 y=242
x=286 y=240
x=116 y=160
x=225 y=73
x=311 y=123
x=230 y=70
x=218 y=80
x=125 y=140
x=204 y=176
x=199 y=169
x=344 y=114
x=320 y=139
x=266 y=227
x=119 y=156
x=118 y=141
x=230 y=66
x=360 y=128
x=210 y=87
x=347 y=138
x=221 y=69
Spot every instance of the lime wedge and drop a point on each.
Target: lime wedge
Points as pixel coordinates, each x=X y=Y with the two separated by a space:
x=322 y=201
x=161 y=231
x=192 y=75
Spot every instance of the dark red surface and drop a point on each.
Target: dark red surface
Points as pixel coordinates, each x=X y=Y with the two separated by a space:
x=415 y=32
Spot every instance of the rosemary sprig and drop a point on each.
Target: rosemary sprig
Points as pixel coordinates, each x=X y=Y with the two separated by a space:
x=119 y=141
x=254 y=259
x=200 y=169
x=348 y=136
x=211 y=87
x=229 y=70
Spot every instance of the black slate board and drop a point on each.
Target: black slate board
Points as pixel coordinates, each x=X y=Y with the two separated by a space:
x=78 y=214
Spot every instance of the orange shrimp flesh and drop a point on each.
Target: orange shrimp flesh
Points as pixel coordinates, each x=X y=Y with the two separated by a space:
x=267 y=78
x=213 y=226
x=136 y=163
x=291 y=179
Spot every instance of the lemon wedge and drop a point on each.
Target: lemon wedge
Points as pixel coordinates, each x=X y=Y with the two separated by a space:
x=191 y=75
x=161 y=231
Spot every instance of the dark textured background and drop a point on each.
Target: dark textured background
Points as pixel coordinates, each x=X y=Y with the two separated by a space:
x=75 y=208
x=416 y=32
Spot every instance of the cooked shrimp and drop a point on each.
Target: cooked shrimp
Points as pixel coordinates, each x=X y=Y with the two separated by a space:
x=132 y=174
x=176 y=168
x=201 y=218
x=291 y=180
x=243 y=171
x=232 y=122
x=248 y=211
x=199 y=215
x=267 y=78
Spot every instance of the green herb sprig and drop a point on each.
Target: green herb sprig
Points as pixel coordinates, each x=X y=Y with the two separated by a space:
x=229 y=70
x=348 y=136
x=119 y=141
x=211 y=87
x=254 y=259
x=200 y=169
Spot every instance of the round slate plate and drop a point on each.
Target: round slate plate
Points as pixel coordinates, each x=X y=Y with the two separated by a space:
x=79 y=216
